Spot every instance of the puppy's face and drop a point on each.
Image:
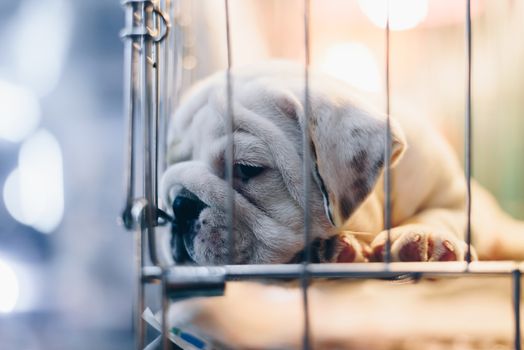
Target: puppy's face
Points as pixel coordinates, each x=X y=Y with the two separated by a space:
x=346 y=145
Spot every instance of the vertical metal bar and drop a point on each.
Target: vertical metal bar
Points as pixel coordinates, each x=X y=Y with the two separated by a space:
x=229 y=151
x=146 y=106
x=140 y=302
x=140 y=326
x=165 y=309
x=516 y=307
x=152 y=154
x=387 y=153
x=467 y=130
x=167 y=95
x=130 y=60
x=306 y=142
x=131 y=57
x=174 y=46
x=160 y=65
x=154 y=62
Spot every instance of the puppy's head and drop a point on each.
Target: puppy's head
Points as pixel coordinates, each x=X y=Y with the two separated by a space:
x=347 y=148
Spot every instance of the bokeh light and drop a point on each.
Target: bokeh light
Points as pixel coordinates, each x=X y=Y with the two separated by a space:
x=9 y=288
x=403 y=14
x=19 y=112
x=354 y=64
x=33 y=193
x=39 y=36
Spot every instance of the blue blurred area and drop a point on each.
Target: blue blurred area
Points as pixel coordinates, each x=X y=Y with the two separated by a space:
x=74 y=282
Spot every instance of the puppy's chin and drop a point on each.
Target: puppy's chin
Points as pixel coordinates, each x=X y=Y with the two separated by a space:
x=202 y=246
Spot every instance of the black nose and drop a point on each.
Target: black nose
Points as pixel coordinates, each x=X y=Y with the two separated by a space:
x=187 y=207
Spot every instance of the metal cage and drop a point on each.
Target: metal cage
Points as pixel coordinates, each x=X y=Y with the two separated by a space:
x=153 y=59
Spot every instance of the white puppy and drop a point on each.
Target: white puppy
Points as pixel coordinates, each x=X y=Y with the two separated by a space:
x=347 y=197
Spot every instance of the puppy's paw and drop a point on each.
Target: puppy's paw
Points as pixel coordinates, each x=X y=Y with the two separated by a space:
x=346 y=248
x=420 y=243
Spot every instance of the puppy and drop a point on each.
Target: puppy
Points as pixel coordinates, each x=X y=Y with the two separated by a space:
x=348 y=140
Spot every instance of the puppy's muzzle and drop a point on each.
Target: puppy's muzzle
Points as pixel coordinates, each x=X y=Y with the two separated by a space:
x=186 y=209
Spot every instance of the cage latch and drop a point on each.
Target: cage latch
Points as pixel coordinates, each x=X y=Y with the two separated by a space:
x=146 y=20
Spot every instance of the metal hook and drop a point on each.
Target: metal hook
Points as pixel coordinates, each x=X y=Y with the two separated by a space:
x=157 y=35
x=165 y=216
x=165 y=24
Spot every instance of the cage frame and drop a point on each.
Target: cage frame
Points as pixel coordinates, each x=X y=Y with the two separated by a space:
x=151 y=36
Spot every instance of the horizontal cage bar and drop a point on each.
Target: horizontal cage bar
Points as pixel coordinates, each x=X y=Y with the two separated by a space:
x=152 y=274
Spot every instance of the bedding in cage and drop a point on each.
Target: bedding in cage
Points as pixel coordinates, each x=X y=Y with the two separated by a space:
x=171 y=44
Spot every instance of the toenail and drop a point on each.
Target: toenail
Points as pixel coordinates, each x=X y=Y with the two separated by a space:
x=448 y=246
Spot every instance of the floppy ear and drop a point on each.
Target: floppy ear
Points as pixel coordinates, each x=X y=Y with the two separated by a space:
x=347 y=148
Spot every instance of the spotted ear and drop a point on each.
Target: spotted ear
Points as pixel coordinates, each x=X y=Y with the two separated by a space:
x=348 y=148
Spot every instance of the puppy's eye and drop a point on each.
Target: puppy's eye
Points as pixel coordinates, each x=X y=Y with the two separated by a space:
x=245 y=172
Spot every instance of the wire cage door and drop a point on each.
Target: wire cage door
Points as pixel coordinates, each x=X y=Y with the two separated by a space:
x=154 y=53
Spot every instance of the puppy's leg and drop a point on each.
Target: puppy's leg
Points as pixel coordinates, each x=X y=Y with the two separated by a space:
x=432 y=235
x=496 y=235
x=438 y=234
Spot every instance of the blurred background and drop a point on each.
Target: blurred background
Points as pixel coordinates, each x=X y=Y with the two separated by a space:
x=65 y=264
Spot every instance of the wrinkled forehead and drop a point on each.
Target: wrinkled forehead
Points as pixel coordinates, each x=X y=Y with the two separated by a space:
x=205 y=139
x=189 y=138
x=201 y=133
